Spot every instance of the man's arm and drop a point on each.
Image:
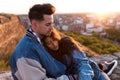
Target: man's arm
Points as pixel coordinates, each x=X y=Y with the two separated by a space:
x=29 y=69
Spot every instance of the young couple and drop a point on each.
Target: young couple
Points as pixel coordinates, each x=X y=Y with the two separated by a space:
x=31 y=61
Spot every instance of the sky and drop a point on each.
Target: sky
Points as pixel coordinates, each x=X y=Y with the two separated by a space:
x=62 y=6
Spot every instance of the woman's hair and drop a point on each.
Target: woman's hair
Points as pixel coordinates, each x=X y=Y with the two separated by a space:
x=67 y=45
x=55 y=35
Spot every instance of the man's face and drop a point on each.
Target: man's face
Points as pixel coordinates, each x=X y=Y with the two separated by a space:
x=44 y=28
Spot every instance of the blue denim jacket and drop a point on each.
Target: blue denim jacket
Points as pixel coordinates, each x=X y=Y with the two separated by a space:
x=78 y=63
x=86 y=69
x=32 y=55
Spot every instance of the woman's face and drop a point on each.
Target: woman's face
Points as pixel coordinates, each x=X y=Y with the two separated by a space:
x=52 y=43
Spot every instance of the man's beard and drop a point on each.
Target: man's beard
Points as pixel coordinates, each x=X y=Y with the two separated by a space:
x=48 y=33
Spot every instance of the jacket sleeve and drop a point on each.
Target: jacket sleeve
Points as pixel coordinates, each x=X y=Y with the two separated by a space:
x=29 y=69
x=84 y=69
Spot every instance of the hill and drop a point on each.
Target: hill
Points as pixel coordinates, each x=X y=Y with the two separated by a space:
x=11 y=32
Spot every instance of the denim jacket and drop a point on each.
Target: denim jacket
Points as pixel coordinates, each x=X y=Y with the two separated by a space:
x=86 y=69
x=78 y=63
x=30 y=61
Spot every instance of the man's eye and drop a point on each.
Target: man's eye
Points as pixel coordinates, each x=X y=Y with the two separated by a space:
x=47 y=24
x=50 y=24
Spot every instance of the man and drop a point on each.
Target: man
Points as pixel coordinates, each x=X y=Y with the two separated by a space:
x=30 y=60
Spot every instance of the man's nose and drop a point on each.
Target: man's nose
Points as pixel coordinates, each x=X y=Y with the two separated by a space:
x=51 y=28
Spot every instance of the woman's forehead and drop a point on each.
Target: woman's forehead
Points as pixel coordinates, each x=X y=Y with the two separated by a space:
x=48 y=39
x=52 y=38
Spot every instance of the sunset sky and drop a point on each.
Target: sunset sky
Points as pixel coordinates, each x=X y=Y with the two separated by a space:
x=62 y=6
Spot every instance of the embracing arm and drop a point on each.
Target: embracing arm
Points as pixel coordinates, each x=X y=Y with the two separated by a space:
x=29 y=69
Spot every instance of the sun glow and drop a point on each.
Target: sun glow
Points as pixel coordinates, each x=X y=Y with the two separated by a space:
x=105 y=6
x=97 y=6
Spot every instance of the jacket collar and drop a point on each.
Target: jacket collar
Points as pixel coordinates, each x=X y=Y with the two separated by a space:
x=33 y=35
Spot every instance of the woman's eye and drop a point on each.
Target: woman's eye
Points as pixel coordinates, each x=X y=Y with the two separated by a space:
x=48 y=43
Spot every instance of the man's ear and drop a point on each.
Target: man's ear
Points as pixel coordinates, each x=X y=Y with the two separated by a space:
x=34 y=22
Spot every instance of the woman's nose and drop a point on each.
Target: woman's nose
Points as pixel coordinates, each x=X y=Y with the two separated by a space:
x=55 y=45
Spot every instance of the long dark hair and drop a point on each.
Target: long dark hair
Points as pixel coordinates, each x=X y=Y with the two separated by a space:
x=67 y=45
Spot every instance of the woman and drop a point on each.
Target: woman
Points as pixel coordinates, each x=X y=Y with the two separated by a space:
x=69 y=53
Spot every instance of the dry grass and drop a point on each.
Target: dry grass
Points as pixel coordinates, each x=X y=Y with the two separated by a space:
x=11 y=33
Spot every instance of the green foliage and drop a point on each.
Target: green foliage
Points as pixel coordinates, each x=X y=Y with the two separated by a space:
x=95 y=43
x=113 y=34
x=95 y=34
x=95 y=48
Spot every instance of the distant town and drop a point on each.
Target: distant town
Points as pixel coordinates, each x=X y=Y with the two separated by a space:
x=84 y=23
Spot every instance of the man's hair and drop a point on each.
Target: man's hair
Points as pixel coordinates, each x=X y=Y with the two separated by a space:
x=38 y=10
